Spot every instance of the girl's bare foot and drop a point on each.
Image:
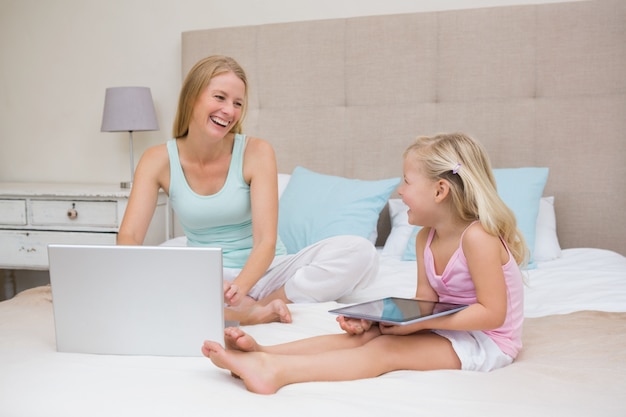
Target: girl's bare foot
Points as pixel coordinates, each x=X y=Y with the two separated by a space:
x=254 y=368
x=237 y=339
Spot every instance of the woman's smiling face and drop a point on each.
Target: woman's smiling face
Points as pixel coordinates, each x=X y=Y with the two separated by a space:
x=219 y=106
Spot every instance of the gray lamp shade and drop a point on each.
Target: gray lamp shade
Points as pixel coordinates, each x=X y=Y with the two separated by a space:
x=128 y=109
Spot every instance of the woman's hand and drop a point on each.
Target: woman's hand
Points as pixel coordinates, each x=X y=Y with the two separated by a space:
x=354 y=326
x=233 y=294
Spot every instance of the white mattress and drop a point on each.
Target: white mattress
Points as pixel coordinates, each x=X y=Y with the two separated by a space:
x=571 y=365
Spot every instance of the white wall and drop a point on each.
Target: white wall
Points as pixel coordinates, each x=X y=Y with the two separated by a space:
x=58 y=56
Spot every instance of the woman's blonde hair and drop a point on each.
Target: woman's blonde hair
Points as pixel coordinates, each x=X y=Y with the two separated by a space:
x=464 y=163
x=196 y=81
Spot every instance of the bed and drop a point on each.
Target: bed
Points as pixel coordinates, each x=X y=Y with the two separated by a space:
x=573 y=362
x=541 y=86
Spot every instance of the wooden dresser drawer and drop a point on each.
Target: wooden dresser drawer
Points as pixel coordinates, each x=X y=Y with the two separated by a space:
x=22 y=249
x=73 y=213
x=13 y=212
x=34 y=215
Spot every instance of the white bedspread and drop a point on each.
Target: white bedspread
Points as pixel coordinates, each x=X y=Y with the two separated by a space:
x=572 y=364
x=581 y=279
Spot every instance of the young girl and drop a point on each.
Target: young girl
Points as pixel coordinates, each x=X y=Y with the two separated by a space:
x=468 y=252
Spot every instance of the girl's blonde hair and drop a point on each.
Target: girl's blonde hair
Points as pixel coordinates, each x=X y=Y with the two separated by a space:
x=196 y=81
x=464 y=163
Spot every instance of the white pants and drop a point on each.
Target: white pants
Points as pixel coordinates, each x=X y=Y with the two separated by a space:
x=324 y=271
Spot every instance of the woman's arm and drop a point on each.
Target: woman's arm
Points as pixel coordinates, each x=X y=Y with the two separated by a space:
x=260 y=172
x=153 y=167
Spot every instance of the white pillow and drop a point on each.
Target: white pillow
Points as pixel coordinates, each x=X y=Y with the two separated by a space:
x=400 y=228
x=176 y=241
x=547 y=245
x=283 y=180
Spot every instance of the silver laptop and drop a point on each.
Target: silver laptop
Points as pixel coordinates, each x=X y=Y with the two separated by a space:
x=136 y=300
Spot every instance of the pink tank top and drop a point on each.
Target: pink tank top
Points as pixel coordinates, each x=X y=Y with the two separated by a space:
x=455 y=285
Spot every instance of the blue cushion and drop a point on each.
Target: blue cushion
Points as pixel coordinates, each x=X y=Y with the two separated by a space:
x=316 y=206
x=520 y=189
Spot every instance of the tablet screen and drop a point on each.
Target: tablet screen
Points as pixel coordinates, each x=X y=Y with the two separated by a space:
x=395 y=310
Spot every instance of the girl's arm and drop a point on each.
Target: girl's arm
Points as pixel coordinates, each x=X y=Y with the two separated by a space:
x=152 y=168
x=485 y=256
x=261 y=173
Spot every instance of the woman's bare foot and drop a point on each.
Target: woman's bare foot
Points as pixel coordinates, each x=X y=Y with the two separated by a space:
x=254 y=368
x=255 y=313
x=275 y=310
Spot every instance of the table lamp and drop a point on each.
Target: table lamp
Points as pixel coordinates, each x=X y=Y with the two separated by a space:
x=128 y=109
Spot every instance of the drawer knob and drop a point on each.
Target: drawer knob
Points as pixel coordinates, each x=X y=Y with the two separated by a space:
x=72 y=213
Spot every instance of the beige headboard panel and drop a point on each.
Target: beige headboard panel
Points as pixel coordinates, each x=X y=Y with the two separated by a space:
x=539 y=85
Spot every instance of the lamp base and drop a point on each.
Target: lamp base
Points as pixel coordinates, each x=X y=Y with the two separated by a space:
x=126 y=184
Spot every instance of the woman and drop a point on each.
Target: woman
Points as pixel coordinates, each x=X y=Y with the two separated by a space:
x=223 y=187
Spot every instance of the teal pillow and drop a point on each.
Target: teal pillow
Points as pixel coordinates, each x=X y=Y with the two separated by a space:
x=317 y=206
x=520 y=189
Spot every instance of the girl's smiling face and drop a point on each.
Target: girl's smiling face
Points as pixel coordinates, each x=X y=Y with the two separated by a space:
x=418 y=192
x=219 y=106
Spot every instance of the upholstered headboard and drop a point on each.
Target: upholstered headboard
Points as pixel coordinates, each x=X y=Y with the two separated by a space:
x=539 y=85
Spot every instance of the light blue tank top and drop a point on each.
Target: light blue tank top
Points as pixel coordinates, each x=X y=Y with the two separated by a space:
x=223 y=219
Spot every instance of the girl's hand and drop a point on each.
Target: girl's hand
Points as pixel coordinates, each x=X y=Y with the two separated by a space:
x=354 y=326
x=396 y=330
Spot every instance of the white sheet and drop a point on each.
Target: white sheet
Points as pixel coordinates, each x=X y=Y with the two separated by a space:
x=35 y=380
x=581 y=279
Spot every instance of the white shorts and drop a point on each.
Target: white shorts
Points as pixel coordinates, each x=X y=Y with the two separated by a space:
x=476 y=350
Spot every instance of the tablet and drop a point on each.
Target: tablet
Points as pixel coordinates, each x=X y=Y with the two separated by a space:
x=399 y=311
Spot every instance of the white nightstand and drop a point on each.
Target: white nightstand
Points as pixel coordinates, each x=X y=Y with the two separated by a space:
x=33 y=215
